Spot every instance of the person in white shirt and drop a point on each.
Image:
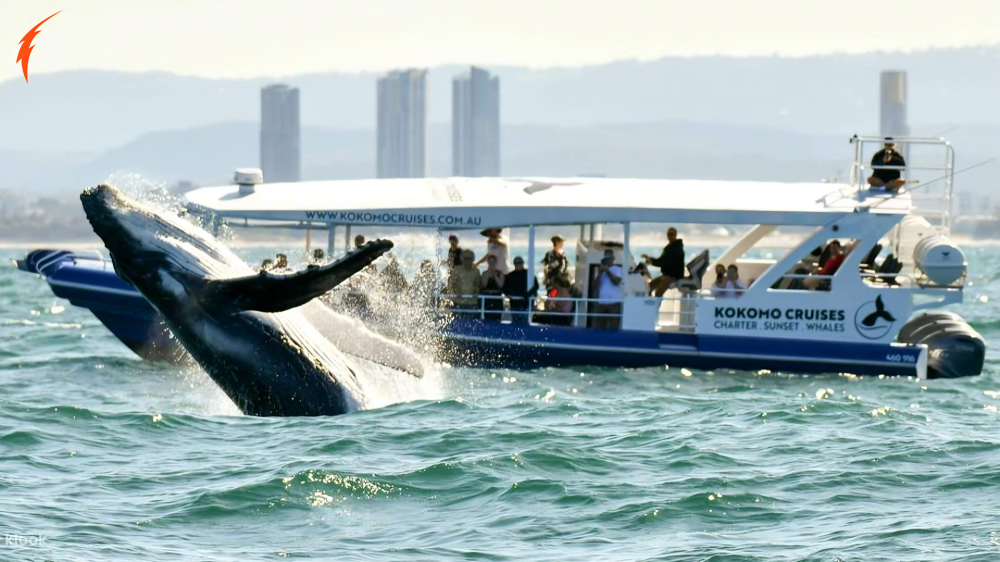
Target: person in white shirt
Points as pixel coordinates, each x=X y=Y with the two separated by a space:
x=720 y=280
x=729 y=286
x=609 y=293
x=735 y=286
x=496 y=246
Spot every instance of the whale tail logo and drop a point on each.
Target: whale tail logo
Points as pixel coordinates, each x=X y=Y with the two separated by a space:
x=24 y=53
x=880 y=312
x=875 y=324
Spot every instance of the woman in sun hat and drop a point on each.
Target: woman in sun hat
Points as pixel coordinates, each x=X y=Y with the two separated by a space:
x=496 y=246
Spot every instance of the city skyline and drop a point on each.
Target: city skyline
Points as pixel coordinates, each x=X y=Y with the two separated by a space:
x=401 y=149
x=475 y=124
x=280 y=137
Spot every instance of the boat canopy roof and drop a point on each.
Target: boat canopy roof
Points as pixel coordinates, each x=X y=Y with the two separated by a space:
x=456 y=203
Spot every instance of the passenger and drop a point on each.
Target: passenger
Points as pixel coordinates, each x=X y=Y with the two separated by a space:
x=423 y=285
x=887 y=179
x=559 y=305
x=670 y=262
x=496 y=246
x=609 y=293
x=355 y=300
x=734 y=285
x=719 y=286
x=280 y=264
x=824 y=255
x=392 y=277
x=464 y=285
x=454 y=252
x=491 y=286
x=359 y=241
x=318 y=256
x=555 y=261
x=515 y=286
x=832 y=265
x=267 y=264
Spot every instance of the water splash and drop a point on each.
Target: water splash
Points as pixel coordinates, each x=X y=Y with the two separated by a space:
x=156 y=195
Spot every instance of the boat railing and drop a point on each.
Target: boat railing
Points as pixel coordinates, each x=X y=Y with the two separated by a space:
x=526 y=311
x=888 y=280
x=935 y=193
x=55 y=257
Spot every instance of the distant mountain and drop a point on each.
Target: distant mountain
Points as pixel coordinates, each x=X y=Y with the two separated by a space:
x=208 y=155
x=828 y=95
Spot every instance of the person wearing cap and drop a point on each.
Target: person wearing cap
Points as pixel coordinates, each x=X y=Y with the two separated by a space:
x=890 y=180
x=280 y=264
x=555 y=261
x=515 y=286
x=496 y=246
x=454 y=252
x=464 y=284
x=609 y=293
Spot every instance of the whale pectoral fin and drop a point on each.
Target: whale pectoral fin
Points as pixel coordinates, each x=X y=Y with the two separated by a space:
x=270 y=292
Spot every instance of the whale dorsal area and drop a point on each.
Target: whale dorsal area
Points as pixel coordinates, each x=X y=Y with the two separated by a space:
x=273 y=292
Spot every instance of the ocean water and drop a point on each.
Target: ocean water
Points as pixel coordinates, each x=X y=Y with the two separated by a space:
x=105 y=457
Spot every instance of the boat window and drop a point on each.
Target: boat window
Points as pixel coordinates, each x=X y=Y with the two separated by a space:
x=815 y=271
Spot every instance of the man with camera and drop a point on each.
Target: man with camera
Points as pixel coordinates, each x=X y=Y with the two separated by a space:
x=885 y=179
x=609 y=293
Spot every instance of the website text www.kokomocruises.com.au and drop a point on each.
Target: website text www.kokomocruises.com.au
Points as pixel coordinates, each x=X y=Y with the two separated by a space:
x=411 y=219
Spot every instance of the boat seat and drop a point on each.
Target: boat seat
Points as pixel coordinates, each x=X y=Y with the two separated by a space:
x=869 y=260
x=888 y=267
x=696 y=272
x=790 y=282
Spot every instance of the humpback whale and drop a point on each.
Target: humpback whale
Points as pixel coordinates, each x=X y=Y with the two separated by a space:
x=249 y=331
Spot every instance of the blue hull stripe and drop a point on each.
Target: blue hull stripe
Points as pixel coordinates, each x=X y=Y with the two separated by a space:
x=133 y=320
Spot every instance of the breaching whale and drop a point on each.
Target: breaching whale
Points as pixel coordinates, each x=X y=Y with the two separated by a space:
x=249 y=331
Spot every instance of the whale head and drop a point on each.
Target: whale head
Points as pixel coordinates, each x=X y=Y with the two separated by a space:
x=146 y=244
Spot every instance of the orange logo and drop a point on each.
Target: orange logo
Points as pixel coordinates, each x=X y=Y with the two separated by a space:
x=25 y=51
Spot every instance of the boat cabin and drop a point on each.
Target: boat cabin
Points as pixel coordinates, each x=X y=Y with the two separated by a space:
x=786 y=297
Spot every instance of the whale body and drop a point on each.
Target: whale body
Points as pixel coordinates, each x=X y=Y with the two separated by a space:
x=249 y=331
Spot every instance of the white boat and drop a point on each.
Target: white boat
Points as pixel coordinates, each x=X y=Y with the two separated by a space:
x=874 y=315
x=868 y=317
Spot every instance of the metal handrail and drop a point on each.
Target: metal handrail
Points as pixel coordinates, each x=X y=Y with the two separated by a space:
x=57 y=256
x=533 y=300
x=902 y=168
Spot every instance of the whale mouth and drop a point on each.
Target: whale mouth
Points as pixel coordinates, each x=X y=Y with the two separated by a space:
x=102 y=195
x=100 y=203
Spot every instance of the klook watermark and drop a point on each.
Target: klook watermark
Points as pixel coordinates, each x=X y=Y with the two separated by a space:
x=22 y=541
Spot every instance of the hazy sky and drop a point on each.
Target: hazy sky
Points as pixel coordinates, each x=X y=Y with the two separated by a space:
x=240 y=38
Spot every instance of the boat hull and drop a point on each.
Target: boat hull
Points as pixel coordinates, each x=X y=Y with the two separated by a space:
x=93 y=284
x=494 y=344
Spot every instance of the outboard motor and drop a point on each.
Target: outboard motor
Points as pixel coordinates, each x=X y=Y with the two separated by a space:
x=954 y=349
